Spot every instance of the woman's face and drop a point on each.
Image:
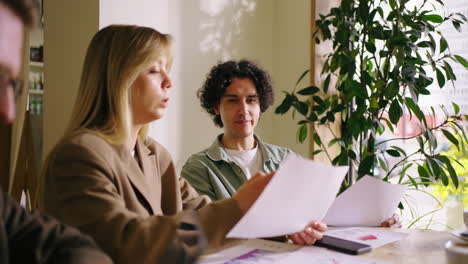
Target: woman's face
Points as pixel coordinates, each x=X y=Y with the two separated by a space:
x=150 y=93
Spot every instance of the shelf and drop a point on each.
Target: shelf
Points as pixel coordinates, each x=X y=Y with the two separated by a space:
x=36 y=64
x=35 y=91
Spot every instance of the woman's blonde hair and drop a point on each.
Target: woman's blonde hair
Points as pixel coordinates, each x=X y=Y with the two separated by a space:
x=115 y=57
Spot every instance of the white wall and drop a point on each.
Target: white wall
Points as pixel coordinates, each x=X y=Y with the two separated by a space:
x=68 y=29
x=206 y=32
x=291 y=59
x=150 y=13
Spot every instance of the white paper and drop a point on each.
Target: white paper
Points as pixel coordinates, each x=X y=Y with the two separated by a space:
x=250 y=251
x=260 y=251
x=301 y=191
x=374 y=237
x=368 y=202
x=307 y=255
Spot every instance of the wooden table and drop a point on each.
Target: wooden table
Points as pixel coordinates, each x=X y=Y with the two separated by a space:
x=420 y=247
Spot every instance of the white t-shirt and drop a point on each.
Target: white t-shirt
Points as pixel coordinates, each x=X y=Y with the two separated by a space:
x=250 y=161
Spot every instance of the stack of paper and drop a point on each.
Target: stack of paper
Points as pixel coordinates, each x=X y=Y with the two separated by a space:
x=301 y=191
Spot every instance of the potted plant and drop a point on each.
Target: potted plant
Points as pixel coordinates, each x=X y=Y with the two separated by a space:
x=383 y=55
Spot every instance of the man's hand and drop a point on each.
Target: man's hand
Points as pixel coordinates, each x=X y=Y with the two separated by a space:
x=392 y=222
x=311 y=233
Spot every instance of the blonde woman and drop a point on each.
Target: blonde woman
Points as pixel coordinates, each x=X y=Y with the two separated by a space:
x=112 y=181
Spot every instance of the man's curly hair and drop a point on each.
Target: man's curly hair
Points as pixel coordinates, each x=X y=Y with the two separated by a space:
x=221 y=76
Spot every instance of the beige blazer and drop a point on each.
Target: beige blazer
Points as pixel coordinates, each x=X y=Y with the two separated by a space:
x=130 y=205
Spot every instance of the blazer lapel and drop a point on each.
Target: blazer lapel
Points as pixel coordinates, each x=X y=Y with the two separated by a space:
x=143 y=178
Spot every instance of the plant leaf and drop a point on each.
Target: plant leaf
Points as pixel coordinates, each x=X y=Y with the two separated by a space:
x=301 y=107
x=383 y=164
x=331 y=116
x=434 y=168
x=433 y=18
x=302 y=133
x=318 y=99
x=400 y=150
x=443 y=44
x=449 y=71
x=285 y=105
x=302 y=76
x=440 y=78
x=389 y=125
x=370 y=47
x=309 y=90
x=366 y=165
x=395 y=112
x=450 y=169
x=451 y=137
x=316 y=152
x=444 y=177
x=453 y=174
x=392 y=90
x=462 y=61
x=456 y=25
x=313 y=117
x=352 y=155
x=433 y=43
x=430 y=137
x=456 y=108
x=326 y=83
x=414 y=108
x=393 y=153
x=317 y=139
x=333 y=142
x=423 y=174
x=405 y=168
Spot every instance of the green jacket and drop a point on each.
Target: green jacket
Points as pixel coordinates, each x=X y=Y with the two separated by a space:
x=211 y=172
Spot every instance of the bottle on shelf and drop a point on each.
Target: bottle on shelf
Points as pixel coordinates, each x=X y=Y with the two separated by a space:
x=32 y=104
x=31 y=82
x=41 y=105
x=35 y=104
x=41 y=81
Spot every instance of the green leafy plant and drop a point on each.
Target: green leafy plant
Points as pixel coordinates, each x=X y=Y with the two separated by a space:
x=442 y=192
x=382 y=58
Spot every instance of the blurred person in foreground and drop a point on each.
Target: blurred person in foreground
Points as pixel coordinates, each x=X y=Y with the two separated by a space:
x=30 y=237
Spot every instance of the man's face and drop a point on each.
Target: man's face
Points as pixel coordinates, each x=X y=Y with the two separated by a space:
x=239 y=108
x=11 y=39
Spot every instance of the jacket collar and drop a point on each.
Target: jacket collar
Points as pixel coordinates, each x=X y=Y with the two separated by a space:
x=142 y=177
x=216 y=151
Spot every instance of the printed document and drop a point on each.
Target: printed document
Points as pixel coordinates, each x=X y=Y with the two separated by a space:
x=374 y=237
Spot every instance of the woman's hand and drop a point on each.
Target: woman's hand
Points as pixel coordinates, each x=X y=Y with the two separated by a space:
x=311 y=233
x=392 y=222
x=251 y=189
